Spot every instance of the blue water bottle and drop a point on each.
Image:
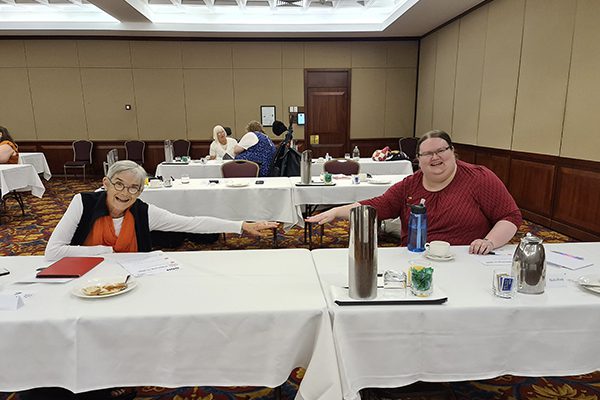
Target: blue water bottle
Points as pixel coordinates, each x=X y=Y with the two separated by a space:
x=417 y=228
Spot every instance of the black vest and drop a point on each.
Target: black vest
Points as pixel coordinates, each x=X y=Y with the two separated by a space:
x=94 y=207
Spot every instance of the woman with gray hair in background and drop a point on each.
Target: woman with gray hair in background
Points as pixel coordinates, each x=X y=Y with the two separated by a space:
x=221 y=144
x=115 y=220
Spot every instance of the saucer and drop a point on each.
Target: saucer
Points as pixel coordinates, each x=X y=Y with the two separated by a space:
x=448 y=257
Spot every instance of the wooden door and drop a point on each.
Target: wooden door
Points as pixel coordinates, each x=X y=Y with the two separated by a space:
x=327 y=99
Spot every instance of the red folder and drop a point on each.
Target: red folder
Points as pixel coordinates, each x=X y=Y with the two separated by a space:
x=70 y=267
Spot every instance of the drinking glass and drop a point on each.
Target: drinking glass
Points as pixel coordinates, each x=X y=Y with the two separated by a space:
x=420 y=275
x=503 y=284
x=185 y=178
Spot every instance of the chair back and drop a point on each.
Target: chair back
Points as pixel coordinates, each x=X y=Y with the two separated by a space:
x=239 y=169
x=82 y=151
x=181 y=147
x=134 y=151
x=408 y=146
x=112 y=157
x=346 y=167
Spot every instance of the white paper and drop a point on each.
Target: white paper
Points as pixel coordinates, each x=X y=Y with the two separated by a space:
x=34 y=279
x=566 y=260
x=495 y=260
x=11 y=301
x=140 y=264
x=556 y=279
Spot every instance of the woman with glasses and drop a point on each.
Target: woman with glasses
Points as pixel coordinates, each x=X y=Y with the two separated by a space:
x=466 y=204
x=115 y=220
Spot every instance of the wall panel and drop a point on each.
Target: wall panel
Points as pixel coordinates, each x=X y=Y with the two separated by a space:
x=257 y=55
x=445 y=78
x=55 y=119
x=369 y=55
x=12 y=53
x=367 y=112
x=584 y=186
x=151 y=54
x=426 y=84
x=469 y=70
x=293 y=94
x=327 y=55
x=104 y=53
x=16 y=112
x=531 y=184
x=400 y=102
x=543 y=75
x=292 y=55
x=51 y=53
x=207 y=54
x=105 y=92
x=402 y=54
x=500 y=73
x=582 y=119
x=159 y=99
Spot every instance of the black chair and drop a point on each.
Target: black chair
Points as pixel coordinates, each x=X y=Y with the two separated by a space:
x=134 y=151
x=240 y=169
x=82 y=156
x=346 y=167
x=408 y=146
x=181 y=147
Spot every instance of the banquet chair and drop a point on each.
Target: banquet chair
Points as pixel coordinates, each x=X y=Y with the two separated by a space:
x=346 y=167
x=111 y=157
x=82 y=156
x=243 y=169
x=239 y=169
x=408 y=146
x=134 y=151
x=181 y=147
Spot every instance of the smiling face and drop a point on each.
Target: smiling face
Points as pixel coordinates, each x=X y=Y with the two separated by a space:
x=437 y=160
x=118 y=201
x=222 y=137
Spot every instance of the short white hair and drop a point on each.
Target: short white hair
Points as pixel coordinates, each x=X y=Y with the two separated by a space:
x=127 y=165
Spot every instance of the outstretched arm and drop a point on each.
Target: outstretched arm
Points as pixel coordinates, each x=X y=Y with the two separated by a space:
x=334 y=213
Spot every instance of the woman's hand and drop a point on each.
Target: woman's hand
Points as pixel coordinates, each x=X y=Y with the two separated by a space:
x=481 y=246
x=258 y=228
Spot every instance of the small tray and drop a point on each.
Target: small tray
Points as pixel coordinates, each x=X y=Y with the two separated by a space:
x=175 y=163
x=388 y=297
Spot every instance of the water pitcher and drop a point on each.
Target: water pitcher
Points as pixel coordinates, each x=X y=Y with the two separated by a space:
x=362 y=253
x=529 y=265
x=168 y=151
x=305 y=163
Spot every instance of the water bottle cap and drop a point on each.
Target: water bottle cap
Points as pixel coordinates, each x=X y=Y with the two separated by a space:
x=418 y=209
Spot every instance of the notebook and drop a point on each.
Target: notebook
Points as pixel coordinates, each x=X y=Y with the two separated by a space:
x=70 y=267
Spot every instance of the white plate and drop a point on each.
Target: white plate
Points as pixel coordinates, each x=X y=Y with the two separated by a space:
x=376 y=181
x=78 y=290
x=236 y=183
x=586 y=280
x=448 y=257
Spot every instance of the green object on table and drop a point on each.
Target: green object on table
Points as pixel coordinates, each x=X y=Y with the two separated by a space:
x=421 y=278
x=327 y=177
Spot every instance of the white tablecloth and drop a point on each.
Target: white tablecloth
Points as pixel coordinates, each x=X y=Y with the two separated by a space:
x=370 y=166
x=195 y=169
x=270 y=201
x=475 y=335
x=212 y=169
x=38 y=160
x=225 y=318
x=344 y=192
x=20 y=177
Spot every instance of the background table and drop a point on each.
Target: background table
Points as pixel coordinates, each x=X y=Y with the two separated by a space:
x=225 y=318
x=38 y=161
x=270 y=201
x=475 y=335
x=195 y=169
x=370 y=166
x=20 y=177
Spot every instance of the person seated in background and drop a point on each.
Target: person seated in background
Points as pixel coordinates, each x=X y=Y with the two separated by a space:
x=228 y=131
x=257 y=147
x=466 y=204
x=221 y=144
x=115 y=220
x=9 y=153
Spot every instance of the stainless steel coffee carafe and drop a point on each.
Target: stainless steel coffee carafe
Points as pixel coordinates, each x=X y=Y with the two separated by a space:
x=362 y=253
x=305 y=163
x=168 y=151
x=529 y=265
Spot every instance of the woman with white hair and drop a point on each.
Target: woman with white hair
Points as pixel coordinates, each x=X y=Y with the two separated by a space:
x=115 y=220
x=221 y=144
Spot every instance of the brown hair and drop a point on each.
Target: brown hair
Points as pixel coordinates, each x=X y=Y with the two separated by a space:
x=254 y=126
x=6 y=135
x=434 y=134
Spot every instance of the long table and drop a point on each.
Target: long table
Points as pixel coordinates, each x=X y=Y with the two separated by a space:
x=212 y=168
x=475 y=335
x=38 y=161
x=20 y=177
x=225 y=318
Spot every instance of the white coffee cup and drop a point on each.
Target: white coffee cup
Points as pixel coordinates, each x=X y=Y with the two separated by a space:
x=438 y=248
x=362 y=177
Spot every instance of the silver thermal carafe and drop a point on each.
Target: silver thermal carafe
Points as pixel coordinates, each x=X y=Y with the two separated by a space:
x=529 y=265
x=168 y=151
x=362 y=253
x=305 y=163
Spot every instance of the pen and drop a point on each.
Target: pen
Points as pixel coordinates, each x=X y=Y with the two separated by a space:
x=567 y=255
x=492 y=253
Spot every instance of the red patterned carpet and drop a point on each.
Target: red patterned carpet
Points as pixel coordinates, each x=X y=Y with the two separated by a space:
x=27 y=235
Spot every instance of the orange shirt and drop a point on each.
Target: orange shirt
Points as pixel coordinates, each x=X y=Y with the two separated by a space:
x=14 y=159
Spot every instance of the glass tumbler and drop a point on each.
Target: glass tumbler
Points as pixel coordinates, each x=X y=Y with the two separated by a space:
x=420 y=276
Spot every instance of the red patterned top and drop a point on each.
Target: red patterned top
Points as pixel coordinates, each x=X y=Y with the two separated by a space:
x=463 y=211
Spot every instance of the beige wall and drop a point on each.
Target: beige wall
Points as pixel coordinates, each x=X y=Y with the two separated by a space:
x=68 y=89
x=516 y=74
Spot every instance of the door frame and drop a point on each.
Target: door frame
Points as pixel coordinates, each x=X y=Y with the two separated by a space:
x=349 y=87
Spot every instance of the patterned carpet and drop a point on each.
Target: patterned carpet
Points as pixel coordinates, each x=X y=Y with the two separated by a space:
x=28 y=234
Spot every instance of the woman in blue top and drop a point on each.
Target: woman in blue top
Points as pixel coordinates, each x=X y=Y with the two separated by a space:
x=256 y=146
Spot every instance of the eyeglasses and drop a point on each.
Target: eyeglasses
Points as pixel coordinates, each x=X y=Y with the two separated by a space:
x=120 y=187
x=438 y=152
